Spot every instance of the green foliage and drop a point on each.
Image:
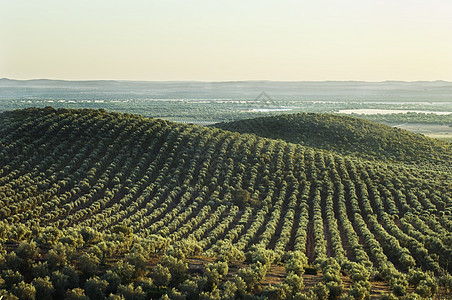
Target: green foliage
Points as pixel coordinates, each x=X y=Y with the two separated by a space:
x=175 y=295
x=358 y=272
x=177 y=267
x=90 y=236
x=295 y=282
x=95 y=288
x=242 y=198
x=107 y=195
x=427 y=287
x=346 y=135
x=445 y=282
x=88 y=264
x=399 y=287
x=76 y=294
x=11 y=278
x=131 y=293
x=275 y=292
x=360 y=276
x=49 y=236
x=227 y=252
x=57 y=257
x=253 y=275
x=213 y=295
x=40 y=269
x=19 y=232
x=215 y=272
x=27 y=251
x=147 y=285
x=24 y=291
x=139 y=264
x=360 y=290
x=60 y=282
x=125 y=271
x=296 y=261
x=4 y=229
x=161 y=276
x=44 y=288
x=156 y=243
x=122 y=229
x=332 y=277
x=424 y=283
x=72 y=238
x=113 y=280
x=184 y=248
x=258 y=254
x=72 y=276
x=320 y=291
x=5 y=295
x=229 y=289
x=13 y=262
x=190 y=288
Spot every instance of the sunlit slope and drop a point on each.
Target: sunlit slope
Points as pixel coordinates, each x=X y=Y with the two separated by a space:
x=73 y=168
x=347 y=135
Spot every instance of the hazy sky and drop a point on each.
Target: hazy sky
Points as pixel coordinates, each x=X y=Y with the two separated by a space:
x=371 y=40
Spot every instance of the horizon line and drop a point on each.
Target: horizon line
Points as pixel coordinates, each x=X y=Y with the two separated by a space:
x=220 y=81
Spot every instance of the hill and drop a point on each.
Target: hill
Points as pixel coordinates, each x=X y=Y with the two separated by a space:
x=348 y=136
x=119 y=202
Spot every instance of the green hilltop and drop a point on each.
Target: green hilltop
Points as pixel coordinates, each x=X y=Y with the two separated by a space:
x=348 y=136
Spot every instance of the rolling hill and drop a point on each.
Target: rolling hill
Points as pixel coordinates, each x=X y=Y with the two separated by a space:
x=104 y=195
x=348 y=136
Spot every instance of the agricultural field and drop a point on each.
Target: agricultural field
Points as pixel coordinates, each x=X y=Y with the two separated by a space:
x=100 y=204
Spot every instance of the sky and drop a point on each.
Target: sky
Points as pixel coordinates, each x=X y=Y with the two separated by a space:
x=206 y=40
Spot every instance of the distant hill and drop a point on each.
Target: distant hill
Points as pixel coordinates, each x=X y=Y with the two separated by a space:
x=347 y=135
x=284 y=90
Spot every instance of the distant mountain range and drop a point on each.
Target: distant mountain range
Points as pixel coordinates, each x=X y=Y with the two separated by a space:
x=42 y=81
x=414 y=91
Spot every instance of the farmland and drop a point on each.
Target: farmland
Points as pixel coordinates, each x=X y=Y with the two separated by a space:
x=101 y=204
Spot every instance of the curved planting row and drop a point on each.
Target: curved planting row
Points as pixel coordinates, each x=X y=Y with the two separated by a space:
x=88 y=168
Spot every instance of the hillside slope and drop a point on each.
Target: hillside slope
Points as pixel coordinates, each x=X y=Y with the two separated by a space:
x=228 y=193
x=347 y=135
